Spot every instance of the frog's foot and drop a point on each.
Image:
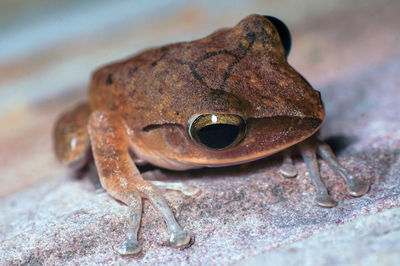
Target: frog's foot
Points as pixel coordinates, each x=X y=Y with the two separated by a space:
x=180 y=239
x=130 y=245
x=121 y=178
x=155 y=177
x=187 y=190
x=309 y=148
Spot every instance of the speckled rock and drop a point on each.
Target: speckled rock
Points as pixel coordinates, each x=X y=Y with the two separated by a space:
x=244 y=213
x=369 y=240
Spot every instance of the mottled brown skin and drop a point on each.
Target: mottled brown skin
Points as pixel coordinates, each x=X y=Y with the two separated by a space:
x=242 y=70
x=140 y=109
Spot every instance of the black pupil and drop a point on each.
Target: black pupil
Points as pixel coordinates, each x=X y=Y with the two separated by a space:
x=218 y=136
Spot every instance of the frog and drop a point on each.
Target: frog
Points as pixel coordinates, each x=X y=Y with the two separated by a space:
x=229 y=98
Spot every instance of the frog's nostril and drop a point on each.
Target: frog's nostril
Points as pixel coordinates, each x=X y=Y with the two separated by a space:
x=217 y=131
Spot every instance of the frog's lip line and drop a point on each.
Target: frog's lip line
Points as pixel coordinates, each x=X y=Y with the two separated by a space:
x=230 y=162
x=182 y=163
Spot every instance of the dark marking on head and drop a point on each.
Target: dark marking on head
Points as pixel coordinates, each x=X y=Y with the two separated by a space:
x=219 y=99
x=177 y=113
x=132 y=70
x=197 y=76
x=164 y=51
x=273 y=62
x=109 y=80
x=251 y=36
x=238 y=54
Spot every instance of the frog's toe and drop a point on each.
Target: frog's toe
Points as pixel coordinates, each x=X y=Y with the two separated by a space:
x=180 y=239
x=288 y=169
x=357 y=187
x=190 y=190
x=325 y=200
x=158 y=179
x=129 y=247
x=187 y=190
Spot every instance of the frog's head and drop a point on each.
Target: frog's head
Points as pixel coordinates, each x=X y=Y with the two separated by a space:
x=225 y=130
x=262 y=105
x=234 y=97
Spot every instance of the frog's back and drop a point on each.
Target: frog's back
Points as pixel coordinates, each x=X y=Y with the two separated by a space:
x=237 y=70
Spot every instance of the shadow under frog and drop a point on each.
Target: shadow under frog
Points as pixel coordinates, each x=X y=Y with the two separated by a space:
x=227 y=99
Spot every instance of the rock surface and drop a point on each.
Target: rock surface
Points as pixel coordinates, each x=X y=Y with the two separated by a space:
x=245 y=214
x=242 y=211
x=370 y=240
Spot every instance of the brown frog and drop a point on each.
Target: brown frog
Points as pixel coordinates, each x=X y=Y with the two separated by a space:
x=226 y=99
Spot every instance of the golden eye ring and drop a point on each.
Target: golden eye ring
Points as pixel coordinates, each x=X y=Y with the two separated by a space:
x=217 y=131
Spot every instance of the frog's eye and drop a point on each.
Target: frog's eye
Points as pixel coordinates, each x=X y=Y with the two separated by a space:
x=284 y=33
x=217 y=131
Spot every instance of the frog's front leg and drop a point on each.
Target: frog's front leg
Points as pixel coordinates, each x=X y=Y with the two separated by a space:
x=121 y=178
x=309 y=149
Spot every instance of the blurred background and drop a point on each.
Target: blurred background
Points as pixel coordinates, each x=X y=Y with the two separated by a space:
x=48 y=50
